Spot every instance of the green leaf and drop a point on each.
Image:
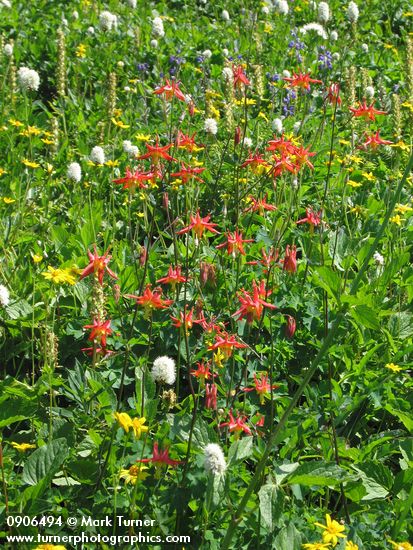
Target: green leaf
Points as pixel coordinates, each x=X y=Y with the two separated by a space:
x=376 y=478
x=329 y=280
x=239 y=450
x=365 y=316
x=271 y=505
x=288 y=539
x=318 y=473
x=45 y=462
x=405 y=418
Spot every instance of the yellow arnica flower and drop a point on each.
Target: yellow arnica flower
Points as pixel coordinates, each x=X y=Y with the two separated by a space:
x=59 y=276
x=2 y=171
x=22 y=447
x=15 y=122
x=124 y=420
x=138 y=426
x=393 y=367
x=396 y=219
x=8 y=200
x=81 y=51
x=316 y=546
x=134 y=474
x=143 y=137
x=354 y=183
x=219 y=357
x=50 y=547
x=401 y=545
x=332 y=530
x=112 y=163
x=403 y=208
x=30 y=164
x=351 y=546
x=119 y=123
x=37 y=258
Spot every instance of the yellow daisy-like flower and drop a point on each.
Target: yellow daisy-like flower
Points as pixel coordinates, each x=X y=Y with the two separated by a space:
x=219 y=357
x=2 y=171
x=134 y=473
x=332 y=530
x=393 y=367
x=401 y=145
x=119 y=123
x=59 y=276
x=263 y=115
x=37 y=258
x=351 y=546
x=403 y=208
x=50 y=547
x=124 y=420
x=406 y=104
x=81 y=51
x=138 y=426
x=22 y=447
x=401 y=545
x=143 y=137
x=112 y=163
x=396 y=219
x=30 y=164
x=368 y=175
x=354 y=184
x=316 y=546
x=15 y=122
x=8 y=200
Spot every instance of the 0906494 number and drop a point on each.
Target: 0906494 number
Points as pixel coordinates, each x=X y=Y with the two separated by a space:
x=27 y=521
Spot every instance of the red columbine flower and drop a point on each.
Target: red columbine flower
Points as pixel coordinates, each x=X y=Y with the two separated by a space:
x=257 y=163
x=259 y=205
x=171 y=90
x=187 y=172
x=267 y=259
x=234 y=243
x=198 y=225
x=202 y=372
x=160 y=458
x=367 y=112
x=333 y=94
x=98 y=264
x=290 y=259
x=226 y=343
x=151 y=300
x=187 y=142
x=311 y=217
x=374 y=140
x=237 y=424
x=253 y=305
x=207 y=273
x=262 y=387
x=283 y=164
x=174 y=277
x=290 y=326
x=239 y=76
x=155 y=152
x=301 y=155
x=211 y=396
x=301 y=80
x=280 y=144
x=133 y=179
x=99 y=331
x=185 y=320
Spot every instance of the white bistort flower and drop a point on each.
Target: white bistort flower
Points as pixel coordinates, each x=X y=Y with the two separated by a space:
x=107 y=21
x=225 y=15
x=74 y=172
x=378 y=258
x=282 y=7
x=211 y=126
x=157 y=27
x=277 y=125
x=132 y=3
x=130 y=149
x=4 y=296
x=207 y=54
x=28 y=79
x=5 y=3
x=8 y=50
x=369 y=92
x=365 y=48
x=323 y=12
x=214 y=460
x=316 y=27
x=91 y=30
x=163 y=370
x=352 y=12
x=334 y=36
x=97 y=155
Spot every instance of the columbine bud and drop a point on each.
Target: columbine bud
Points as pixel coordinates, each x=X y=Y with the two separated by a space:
x=290 y=326
x=210 y=396
x=165 y=201
x=237 y=136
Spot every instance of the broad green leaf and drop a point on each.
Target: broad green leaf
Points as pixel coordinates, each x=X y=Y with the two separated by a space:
x=329 y=280
x=45 y=462
x=271 y=505
x=288 y=538
x=365 y=316
x=239 y=450
x=318 y=473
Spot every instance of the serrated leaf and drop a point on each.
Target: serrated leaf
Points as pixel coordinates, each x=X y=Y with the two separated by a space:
x=318 y=473
x=288 y=539
x=239 y=450
x=365 y=316
x=45 y=462
x=271 y=505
